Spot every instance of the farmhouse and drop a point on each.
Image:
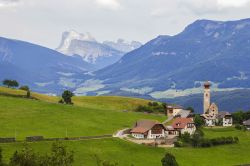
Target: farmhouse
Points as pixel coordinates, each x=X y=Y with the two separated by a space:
x=173 y=110
x=225 y=118
x=184 y=125
x=247 y=124
x=211 y=114
x=177 y=111
x=148 y=129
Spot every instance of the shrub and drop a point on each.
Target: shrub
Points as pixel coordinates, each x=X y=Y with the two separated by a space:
x=151 y=107
x=186 y=137
x=169 y=160
x=25 y=88
x=236 y=140
x=206 y=143
x=61 y=101
x=178 y=144
x=238 y=127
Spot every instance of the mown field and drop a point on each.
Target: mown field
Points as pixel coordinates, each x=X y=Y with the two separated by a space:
x=104 y=115
x=90 y=116
x=126 y=153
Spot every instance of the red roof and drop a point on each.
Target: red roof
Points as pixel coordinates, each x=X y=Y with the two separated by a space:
x=180 y=123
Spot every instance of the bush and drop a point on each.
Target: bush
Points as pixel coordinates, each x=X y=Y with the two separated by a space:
x=151 y=107
x=61 y=101
x=186 y=137
x=205 y=143
x=238 y=127
x=169 y=160
x=178 y=144
x=27 y=157
x=236 y=140
x=25 y=88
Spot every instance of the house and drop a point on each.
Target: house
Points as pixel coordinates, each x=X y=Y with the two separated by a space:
x=210 y=120
x=171 y=132
x=173 y=110
x=148 y=129
x=247 y=124
x=226 y=118
x=184 y=125
x=177 y=111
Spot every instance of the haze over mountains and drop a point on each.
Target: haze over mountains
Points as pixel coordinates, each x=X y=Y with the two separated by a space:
x=164 y=68
x=96 y=53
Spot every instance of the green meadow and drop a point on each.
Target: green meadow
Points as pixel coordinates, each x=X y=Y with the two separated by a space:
x=126 y=153
x=104 y=115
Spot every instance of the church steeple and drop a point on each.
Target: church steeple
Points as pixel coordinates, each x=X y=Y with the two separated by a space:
x=206 y=102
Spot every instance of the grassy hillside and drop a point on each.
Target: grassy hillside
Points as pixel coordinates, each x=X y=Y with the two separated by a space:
x=89 y=116
x=120 y=151
x=103 y=115
x=100 y=102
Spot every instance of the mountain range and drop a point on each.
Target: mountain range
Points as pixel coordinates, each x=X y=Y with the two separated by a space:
x=167 y=68
x=43 y=69
x=205 y=50
x=98 y=54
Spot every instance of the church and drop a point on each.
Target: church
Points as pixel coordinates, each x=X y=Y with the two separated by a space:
x=211 y=114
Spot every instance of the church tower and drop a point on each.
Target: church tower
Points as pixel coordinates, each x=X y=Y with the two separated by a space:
x=206 y=101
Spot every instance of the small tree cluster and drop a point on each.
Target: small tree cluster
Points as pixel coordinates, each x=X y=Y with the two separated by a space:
x=152 y=107
x=169 y=160
x=66 y=97
x=240 y=127
x=199 y=122
x=240 y=116
x=1 y=158
x=59 y=156
x=198 y=140
x=10 y=83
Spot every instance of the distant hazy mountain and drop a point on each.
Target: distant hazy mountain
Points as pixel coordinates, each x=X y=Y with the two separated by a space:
x=172 y=66
x=43 y=69
x=93 y=52
x=123 y=46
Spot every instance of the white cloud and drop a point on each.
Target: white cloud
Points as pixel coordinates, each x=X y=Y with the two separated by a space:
x=7 y=3
x=232 y=3
x=109 y=4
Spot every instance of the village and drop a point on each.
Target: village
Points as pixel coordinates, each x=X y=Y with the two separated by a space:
x=179 y=122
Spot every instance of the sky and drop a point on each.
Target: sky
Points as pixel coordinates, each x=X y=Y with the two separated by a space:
x=43 y=21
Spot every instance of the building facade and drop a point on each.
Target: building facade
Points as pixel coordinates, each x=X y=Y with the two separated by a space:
x=211 y=114
x=184 y=125
x=147 y=129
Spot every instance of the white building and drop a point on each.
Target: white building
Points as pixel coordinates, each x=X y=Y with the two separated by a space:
x=148 y=129
x=184 y=125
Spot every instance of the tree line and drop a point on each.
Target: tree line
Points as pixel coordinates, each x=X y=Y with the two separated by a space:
x=198 y=140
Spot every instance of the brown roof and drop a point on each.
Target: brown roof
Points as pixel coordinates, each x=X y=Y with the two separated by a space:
x=207 y=83
x=247 y=122
x=142 y=126
x=222 y=114
x=175 y=106
x=180 y=123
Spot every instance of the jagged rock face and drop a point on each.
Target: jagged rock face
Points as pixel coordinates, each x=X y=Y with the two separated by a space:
x=94 y=52
x=123 y=46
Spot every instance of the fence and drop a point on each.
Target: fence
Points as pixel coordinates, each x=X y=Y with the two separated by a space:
x=41 y=138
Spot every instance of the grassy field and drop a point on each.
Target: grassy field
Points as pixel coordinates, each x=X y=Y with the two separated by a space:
x=126 y=153
x=89 y=116
x=104 y=115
